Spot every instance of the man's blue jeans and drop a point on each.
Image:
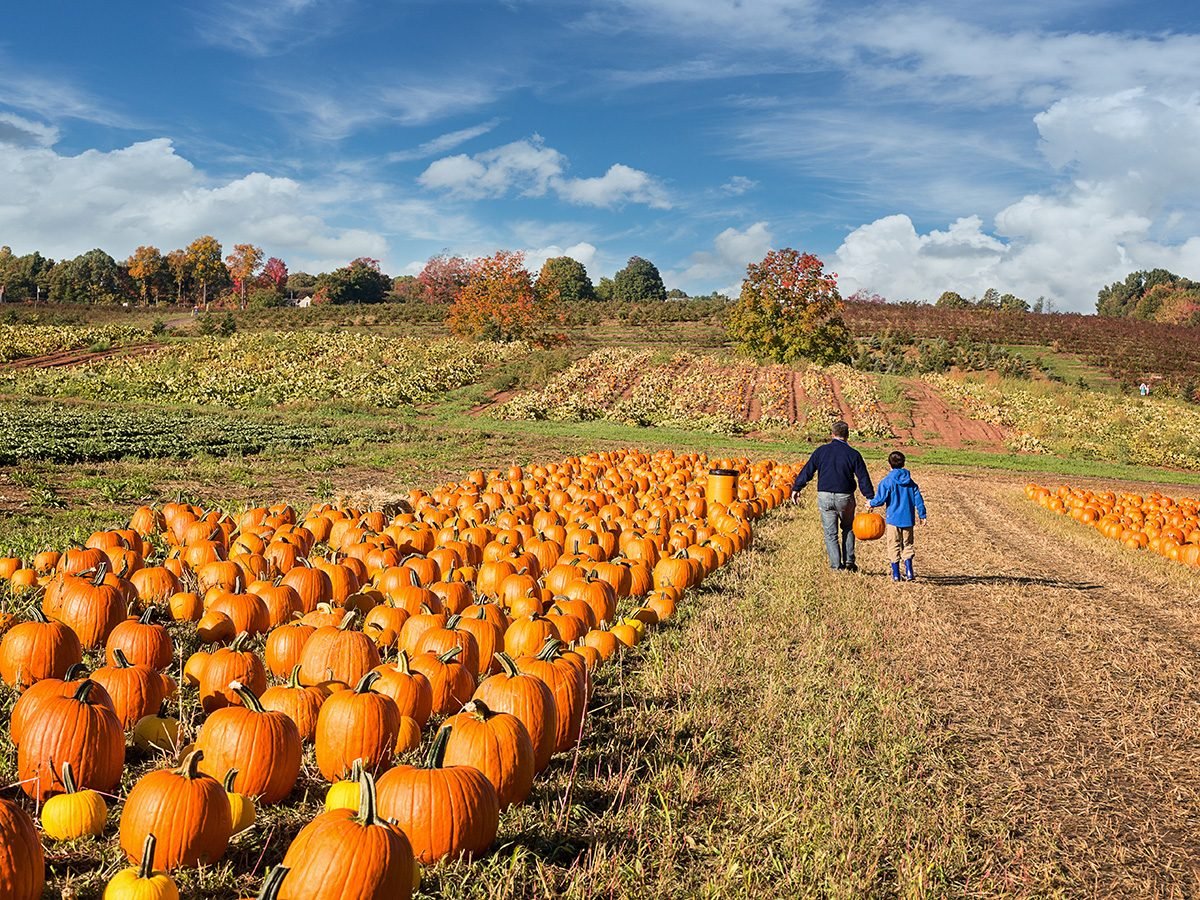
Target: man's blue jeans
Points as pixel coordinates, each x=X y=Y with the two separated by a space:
x=837 y=518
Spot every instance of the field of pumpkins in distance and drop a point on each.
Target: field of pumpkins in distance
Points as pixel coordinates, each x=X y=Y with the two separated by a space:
x=1168 y=526
x=284 y=702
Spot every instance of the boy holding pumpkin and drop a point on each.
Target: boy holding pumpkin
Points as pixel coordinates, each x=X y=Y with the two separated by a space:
x=902 y=497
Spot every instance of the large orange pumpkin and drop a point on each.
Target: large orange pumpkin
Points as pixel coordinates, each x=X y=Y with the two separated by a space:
x=868 y=526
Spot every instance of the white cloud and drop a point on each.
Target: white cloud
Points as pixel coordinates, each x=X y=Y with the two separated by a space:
x=583 y=252
x=23 y=132
x=266 y=27
x=526 y=166
x=1133 y=163
x=336 y=112
x=738 y=185
x=443 y=142
x=531 y=169
x=620 y=184
x=146 y=193
x=723 y=267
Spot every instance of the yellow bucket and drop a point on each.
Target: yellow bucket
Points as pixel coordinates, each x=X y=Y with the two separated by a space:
x=721 y=489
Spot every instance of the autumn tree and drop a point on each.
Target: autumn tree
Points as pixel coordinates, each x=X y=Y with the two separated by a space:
x=406 y=289
x=789 y=309
x=567 y=277
x=180 y=268
x=639 y=280
x=1137 y=296
x=274 y=274
x=205 y=265
x=499 y=302
x=243 y=264
x=443 y=277
x=148 y=269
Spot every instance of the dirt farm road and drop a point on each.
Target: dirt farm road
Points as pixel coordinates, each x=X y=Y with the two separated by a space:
x=1067 y=668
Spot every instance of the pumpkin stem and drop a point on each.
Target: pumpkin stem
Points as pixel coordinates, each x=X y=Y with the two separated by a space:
x=348 y=619
x=402 y=662
x=550 y=649
x=294 y=678
x=273 y=882
x=247 y=695
x=240 y=642
x=101 y=571
x=364 y=684
x=78 y=670
x=479 y=710
x=437 y=752
x=84 y=689
x=507 y=665
x=450 y=654
x=189 y=768
x=146 y=868
x=147 y=617
x=356 y=770
x=227 y=783
x=68 y=778
x=453 y=621
x=368 y=814
x=36 y=615
x=122 y=660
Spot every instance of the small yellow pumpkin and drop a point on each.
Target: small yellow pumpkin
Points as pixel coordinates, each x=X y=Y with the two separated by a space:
x=75 y=813
x=142 y=882
x=346 y=794
x=157 y=733
x=241 y=807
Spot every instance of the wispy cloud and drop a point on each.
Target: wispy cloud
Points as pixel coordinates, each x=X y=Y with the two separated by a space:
x=334 y=113
x=443 y=143
x=54 y=99
x=267 y=27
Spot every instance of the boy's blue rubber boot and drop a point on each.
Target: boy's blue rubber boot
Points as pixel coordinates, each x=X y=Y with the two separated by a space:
x=895 y=571
x=908 y=571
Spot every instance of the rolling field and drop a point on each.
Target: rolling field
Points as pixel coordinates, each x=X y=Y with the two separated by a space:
x=1019 y=722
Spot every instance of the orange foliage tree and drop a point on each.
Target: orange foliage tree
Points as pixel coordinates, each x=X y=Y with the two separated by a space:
x=498 y=302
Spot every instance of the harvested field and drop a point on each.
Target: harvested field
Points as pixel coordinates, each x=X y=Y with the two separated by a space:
x=1064 y=668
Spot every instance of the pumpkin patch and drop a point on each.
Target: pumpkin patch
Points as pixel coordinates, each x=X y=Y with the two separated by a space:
x=422 y=666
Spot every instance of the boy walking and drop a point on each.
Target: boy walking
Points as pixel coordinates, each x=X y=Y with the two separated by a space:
x=902 y=497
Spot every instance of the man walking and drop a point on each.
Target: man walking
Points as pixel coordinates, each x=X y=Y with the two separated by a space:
x=837 y=466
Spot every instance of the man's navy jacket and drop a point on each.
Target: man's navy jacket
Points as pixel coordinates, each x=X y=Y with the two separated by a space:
x=837 y=466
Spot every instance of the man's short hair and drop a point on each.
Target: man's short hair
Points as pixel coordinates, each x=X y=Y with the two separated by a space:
x=896 y=459
x=840 y=430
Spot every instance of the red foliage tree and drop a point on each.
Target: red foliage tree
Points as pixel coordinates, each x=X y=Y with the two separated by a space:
x=443 y=277
x=498 y=302
x=274 y=274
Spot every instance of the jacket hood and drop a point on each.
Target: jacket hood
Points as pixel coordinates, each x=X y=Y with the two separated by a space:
x=901 y=477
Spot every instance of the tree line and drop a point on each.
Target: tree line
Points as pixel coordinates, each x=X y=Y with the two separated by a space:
x=1154 y=295
x=202 y=274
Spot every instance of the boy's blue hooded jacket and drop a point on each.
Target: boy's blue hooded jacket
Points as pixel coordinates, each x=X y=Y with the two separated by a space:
x=900 y=494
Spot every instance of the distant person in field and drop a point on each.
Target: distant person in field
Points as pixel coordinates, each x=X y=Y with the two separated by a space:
x=905 y=506
x=837 y=466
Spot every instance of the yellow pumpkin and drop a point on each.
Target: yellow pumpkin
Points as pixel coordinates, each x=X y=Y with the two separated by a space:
x=75 y=813
x=142 y=882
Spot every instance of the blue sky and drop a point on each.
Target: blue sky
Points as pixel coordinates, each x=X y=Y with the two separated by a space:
x=1042 y=148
